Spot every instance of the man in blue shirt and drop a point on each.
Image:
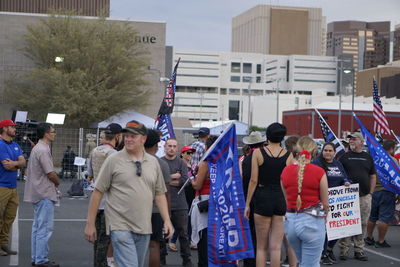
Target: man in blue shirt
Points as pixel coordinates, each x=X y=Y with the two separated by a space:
x=11 y=159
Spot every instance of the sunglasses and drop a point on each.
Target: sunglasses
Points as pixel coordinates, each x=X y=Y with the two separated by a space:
x=138 y=168
x=189 y=152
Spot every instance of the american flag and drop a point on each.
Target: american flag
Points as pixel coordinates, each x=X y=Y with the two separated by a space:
x=381 y=124
x=330 y=137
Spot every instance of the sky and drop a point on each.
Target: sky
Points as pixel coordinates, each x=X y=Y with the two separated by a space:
x=206 y=24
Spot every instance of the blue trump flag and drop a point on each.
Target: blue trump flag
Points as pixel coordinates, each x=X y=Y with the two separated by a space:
x=164 y=125
x=229 y=237
x=387 y=169
x=163 y=120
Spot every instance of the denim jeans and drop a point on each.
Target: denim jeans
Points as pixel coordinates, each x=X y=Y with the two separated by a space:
x=42 y=229
x=129 y=248
x=306 y=235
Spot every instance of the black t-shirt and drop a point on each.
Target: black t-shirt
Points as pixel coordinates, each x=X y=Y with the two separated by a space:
x=359 y=167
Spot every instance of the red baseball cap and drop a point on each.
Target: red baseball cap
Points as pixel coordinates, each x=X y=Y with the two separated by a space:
x=7 y=122
x=187 y=148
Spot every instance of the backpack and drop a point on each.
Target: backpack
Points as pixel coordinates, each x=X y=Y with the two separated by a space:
x=76 y=189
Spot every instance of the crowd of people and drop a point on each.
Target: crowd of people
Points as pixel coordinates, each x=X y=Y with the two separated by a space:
x=142 y=205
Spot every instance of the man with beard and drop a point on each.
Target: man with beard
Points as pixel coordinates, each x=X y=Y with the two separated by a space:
x=11 y=160
x=360 y=168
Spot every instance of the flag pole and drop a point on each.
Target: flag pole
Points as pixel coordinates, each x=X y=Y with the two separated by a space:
x=322 y=118
x=395 y=136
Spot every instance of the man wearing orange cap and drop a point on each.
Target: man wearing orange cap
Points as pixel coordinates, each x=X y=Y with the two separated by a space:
x=11 y=160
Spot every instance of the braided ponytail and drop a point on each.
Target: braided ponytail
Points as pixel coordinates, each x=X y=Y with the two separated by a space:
x=306 y=145
x=300 y=177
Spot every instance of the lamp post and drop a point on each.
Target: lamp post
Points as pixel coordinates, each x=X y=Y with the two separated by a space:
x=277 y=99
x=248 y=106
x=346 y=71
x=340 y=100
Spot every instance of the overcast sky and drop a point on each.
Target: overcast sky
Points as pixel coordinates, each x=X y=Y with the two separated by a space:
x=206 y=24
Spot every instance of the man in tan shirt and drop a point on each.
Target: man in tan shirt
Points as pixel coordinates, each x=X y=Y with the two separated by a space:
x=131 y=180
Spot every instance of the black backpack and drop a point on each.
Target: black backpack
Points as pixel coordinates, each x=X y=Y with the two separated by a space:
x=76 y=189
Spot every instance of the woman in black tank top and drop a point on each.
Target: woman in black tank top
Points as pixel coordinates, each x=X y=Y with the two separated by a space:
x=270 y=206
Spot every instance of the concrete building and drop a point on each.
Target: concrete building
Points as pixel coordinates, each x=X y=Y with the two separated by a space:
x=279 y=30
x=84 y=8
x=13 y=61
x=386 y=77
x=367 y=42
x=242 y=86
x=396 y=43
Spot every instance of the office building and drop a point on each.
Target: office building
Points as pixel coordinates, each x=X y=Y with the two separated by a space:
x=83 y=7
x=367 y=42
x=279 y=30
x=396 y=43
x=387 y=78
x=242 y=86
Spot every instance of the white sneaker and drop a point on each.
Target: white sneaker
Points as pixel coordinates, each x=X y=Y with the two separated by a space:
x=111 y=262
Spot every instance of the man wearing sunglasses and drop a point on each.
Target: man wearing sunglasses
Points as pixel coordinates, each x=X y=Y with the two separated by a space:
x=11 y=160
x=131 y=180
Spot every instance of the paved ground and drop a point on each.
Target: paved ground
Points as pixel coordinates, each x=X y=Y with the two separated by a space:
x=68 y=247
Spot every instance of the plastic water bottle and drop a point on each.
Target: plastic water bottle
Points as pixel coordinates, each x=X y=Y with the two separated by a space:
x=57 y=204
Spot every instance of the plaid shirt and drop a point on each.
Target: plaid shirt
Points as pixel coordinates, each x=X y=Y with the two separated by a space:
x=200 y=147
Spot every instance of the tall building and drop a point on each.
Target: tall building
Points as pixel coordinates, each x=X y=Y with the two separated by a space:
x=396 y=43
x=367 y=42
x=83 y=7
x=279 y=30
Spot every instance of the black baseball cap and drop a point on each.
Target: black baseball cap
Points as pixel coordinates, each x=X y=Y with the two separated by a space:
x=135 y=127
x=153 y=137
x=113 y=128
x=204 y=131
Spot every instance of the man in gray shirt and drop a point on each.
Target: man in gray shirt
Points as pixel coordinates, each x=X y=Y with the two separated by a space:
x=41 y=190
x=179 y=207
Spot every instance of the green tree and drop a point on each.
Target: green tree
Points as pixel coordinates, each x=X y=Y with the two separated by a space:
x=98 y=72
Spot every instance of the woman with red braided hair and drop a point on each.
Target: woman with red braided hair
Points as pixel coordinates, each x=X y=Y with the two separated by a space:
x=305 y=187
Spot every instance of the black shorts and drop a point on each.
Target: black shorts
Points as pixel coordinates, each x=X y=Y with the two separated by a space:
x=156 y=225
x=269 y=202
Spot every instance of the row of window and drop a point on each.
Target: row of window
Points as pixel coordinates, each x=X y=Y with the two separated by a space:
x=245 y=79
x=237 y=67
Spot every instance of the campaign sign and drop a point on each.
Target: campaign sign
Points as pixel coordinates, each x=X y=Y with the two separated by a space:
x=344 y=217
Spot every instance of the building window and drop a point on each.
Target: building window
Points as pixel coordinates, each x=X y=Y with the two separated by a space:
x=234 y=91
x=258 y=68
x=258 y=79
x=235 y=67
x=246 y=67
x=246 y=79
x=330 y=93
x=235 y=79
x=234 y=106
x=245 y=91
x=256 y=92
x=222 y=91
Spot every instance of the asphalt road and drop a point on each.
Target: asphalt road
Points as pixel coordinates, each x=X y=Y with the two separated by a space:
x=69 y=249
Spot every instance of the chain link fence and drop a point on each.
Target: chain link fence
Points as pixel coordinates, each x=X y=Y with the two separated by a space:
x=68 y=144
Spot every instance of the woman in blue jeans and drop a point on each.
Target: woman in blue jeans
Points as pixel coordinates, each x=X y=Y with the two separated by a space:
x=306 y=192
x=336 y=177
